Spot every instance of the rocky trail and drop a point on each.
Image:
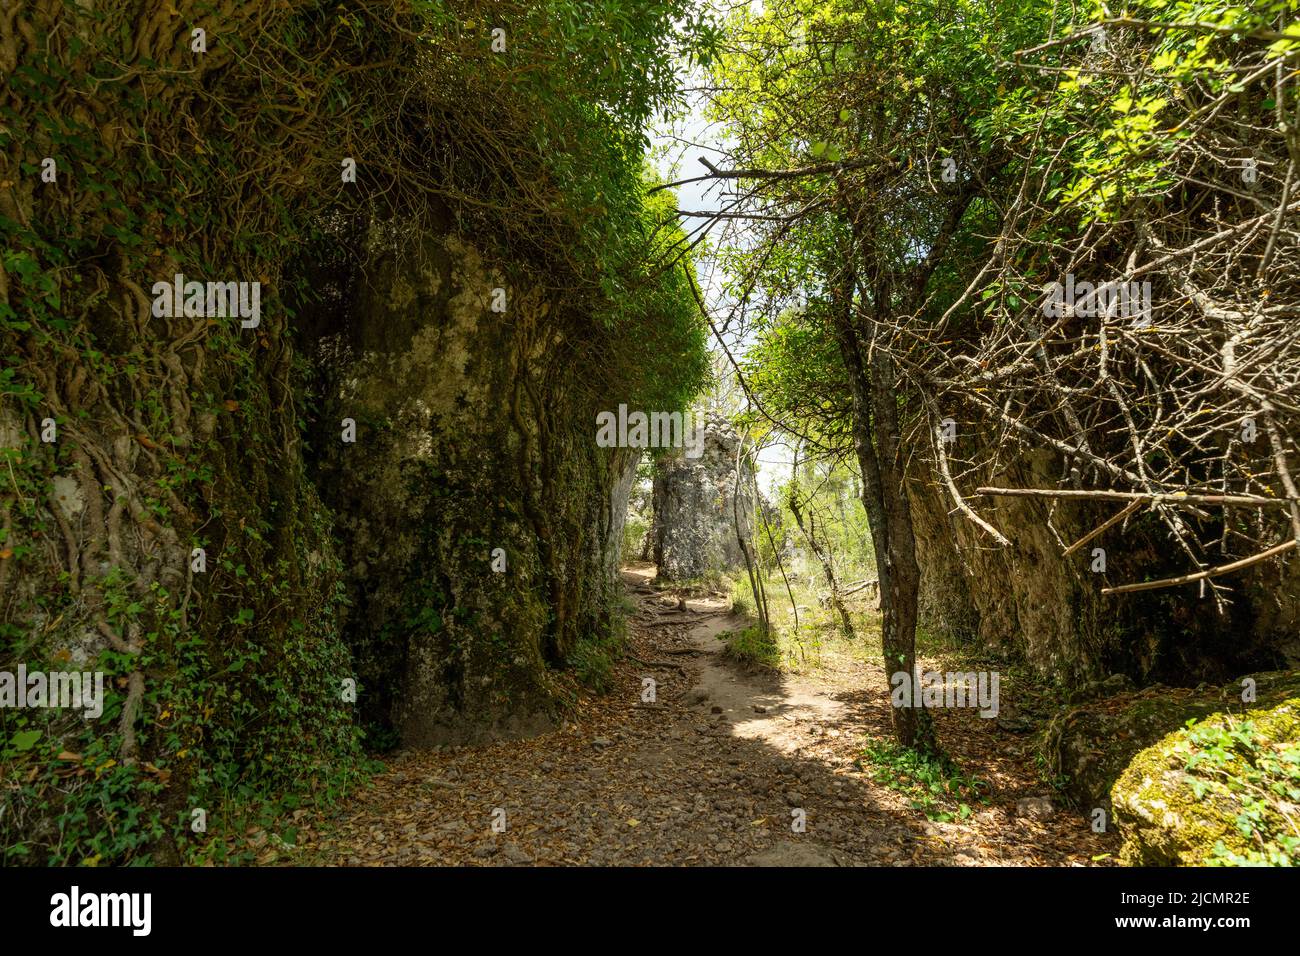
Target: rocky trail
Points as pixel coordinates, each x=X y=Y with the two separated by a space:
x=712 y=772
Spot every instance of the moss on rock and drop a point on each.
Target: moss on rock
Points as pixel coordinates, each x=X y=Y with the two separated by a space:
x=1223 y=791
x=1087 y=747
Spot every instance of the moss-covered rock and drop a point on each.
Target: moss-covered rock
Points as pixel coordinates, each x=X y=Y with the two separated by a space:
x=476 y=515
x=1088 y=746
x=1224 y=791
x=392 y=487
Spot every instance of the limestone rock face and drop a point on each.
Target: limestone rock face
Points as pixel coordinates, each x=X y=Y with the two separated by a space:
x=479 y=521
x=1028 y=600
x=696 y=503
x=625 y=463
x=1224 y=791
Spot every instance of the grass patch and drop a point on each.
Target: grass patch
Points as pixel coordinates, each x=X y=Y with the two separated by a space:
x=803 y=633
x=752 y=645
x=592 y=663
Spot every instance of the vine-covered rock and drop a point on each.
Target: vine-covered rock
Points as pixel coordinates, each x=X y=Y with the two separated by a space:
x=187 y=512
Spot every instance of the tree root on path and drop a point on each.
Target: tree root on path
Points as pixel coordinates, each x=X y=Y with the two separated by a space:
x=667 y=665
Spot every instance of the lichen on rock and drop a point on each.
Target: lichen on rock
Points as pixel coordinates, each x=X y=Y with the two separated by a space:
x=1088 y=745
x=1223 y=791
x=472 y=442
x=698 y=505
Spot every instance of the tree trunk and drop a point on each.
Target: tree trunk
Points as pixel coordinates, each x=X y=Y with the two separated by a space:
x=824 y=558
x=875 y=415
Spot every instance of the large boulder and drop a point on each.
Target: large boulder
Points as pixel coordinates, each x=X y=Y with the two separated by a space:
x=1089 y=744
x=1224 y=791
x=698 y=503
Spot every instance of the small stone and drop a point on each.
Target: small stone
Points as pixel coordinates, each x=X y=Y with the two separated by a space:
x=1037 y=808
x=485 y=850
x=715 y=709
x=600 y=743
x=793 y=798
x=516 y=855
x=760 y=709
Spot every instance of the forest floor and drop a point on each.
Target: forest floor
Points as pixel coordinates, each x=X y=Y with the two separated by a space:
x=712 y=772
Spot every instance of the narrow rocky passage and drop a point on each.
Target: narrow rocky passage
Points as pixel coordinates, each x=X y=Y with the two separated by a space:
x=713 y=772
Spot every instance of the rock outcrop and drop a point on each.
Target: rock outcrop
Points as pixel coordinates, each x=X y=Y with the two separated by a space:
x=699 y=505
x=1027 y=600
x=1089 y=745
x=480 y=523
x=1224 y=791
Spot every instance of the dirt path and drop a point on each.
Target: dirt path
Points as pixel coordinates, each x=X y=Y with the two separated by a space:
x=711 y=772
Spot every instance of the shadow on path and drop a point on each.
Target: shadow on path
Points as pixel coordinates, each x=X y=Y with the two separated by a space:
x=717 y=770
